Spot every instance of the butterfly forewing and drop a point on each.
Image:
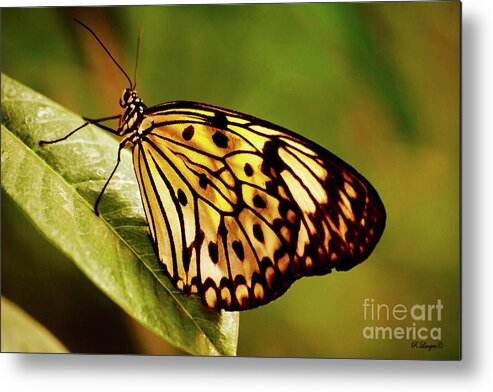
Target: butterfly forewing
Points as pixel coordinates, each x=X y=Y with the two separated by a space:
x=239 y=208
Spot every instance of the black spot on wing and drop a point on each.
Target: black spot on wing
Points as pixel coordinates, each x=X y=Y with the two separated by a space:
x=203 y=181
x=283 y=207
x=221 y=229
x=248 y=169
x=182 y=198
x=271 y=158
x=213 y=252
x=258 y=233
x=219 y=120
x=188 y=132
x=259 y=202
x=220 y=139
x=238 y=248
x=279 y=253
x=271 y=188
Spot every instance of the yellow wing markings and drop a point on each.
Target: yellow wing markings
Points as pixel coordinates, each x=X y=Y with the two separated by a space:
x=252 y=206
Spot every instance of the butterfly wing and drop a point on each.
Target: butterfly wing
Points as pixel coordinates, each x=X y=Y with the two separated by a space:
x=239 y=208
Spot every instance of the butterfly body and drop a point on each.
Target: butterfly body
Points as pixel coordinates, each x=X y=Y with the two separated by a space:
x=131 y=119
x=239 y=208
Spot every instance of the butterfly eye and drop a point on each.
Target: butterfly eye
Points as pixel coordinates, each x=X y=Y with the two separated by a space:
x=126 y=97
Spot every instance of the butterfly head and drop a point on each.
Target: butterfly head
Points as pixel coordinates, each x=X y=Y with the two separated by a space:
x=134 y=111
x=128 y=97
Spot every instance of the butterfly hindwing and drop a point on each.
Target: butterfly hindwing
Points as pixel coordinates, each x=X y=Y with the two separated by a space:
x=239 y=208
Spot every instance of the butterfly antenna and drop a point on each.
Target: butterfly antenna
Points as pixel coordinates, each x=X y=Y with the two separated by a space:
x=106 y=50
x=139 y=39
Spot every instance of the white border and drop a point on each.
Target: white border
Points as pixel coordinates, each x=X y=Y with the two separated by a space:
x=473 y=373
x=59 y=3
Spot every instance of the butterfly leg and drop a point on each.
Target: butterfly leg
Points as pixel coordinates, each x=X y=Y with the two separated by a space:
x=88 y=121
x=97 y=122
x=122 y=146
x=41 y=142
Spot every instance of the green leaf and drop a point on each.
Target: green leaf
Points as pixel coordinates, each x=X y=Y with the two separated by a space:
x=23 y=334
x=57 y=186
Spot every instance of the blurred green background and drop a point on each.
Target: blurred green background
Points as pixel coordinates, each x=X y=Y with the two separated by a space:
x=375 y=83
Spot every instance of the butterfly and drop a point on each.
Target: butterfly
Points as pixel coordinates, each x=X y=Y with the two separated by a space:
x=239 y=208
